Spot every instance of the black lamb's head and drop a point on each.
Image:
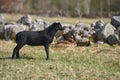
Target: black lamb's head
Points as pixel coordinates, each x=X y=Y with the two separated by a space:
x=58 y=26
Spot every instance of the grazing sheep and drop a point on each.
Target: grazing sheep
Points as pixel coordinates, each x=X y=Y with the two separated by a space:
x=36 y=38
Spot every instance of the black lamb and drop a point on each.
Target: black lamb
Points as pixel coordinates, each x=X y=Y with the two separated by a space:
x=36 y=38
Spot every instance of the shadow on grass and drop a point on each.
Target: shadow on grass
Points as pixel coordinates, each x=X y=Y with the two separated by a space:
x=27 y=58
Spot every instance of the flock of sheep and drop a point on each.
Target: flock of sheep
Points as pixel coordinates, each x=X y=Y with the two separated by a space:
x=82 y=33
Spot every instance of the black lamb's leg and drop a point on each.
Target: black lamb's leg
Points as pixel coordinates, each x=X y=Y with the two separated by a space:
x=16 y=51
x=47 y=51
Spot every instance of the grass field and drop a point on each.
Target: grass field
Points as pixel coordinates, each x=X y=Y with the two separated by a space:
x=98 y=62
x=67 y=62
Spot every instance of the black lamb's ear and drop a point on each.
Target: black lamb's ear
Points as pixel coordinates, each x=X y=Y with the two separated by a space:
x=59 y=24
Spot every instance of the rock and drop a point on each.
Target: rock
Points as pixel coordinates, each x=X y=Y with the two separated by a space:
x=113 y=39
x=92 y=33
x=103 y=33
x=100 y=42
x=67 y=28
x=84 y=30
x=60 y=38
x=86 y=34
x=1 y=19
x=1 y=25
x=115 y=21
x=84 y=26
x=11 y=30
x=81 y=27
x=69 y=36
x=78 y=30
x=118 y=31
x=77 y=38
x=26 y=20
x=83 y=42
x=1 y=33
x=7 y=23
x=46 y=24
x=98 y=24
x=67 y=33
x=37 y=25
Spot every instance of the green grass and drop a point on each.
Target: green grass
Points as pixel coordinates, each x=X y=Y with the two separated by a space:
x=98 y=62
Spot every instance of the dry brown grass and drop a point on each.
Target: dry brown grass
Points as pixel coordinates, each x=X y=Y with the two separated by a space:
x=97 y=62
x=14 y=17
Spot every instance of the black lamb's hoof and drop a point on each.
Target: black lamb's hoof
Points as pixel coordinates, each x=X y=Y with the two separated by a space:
x=15 y=57
x=47 y=58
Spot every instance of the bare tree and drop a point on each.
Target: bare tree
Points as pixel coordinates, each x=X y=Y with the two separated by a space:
x=109 y=2
x=101 y=8
x=87 y=7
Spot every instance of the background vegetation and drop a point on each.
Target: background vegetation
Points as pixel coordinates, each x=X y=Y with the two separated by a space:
x=74 y=8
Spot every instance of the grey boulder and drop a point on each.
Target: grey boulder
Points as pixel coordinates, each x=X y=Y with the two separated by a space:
x=115 y=21
x=113 y=39
x=1 y=19
x=26 y=20
x=103 y=33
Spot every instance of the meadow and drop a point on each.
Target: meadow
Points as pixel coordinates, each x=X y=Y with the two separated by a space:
x=67 y=61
